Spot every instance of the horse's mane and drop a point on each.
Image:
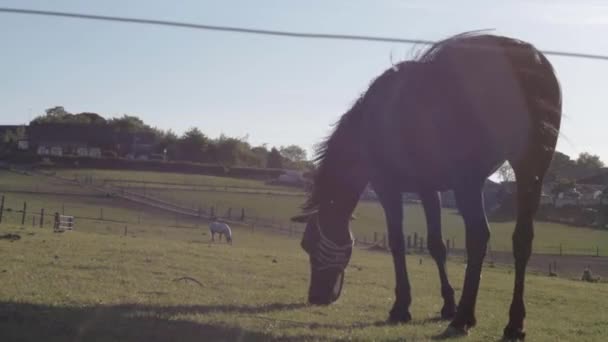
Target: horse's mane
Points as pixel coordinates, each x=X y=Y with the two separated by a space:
x=338 y=148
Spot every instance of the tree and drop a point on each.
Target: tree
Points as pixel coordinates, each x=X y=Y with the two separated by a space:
x=193 y=145
x=275 y=160
x=293 y=153
x=168 y=142
x=128 y=124
x=506 y=173
x=589 y=161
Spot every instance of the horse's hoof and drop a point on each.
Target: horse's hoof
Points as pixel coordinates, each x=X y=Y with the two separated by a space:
x=513 y=334
x=399 y=316
x=452 y=331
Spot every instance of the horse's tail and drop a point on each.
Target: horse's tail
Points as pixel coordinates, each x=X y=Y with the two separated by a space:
x=544 y=98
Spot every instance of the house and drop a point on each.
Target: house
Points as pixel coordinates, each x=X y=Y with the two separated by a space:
x=43 y=150
x=77 y=140
x=23 y=145
x=95 y=152
x=57 y=151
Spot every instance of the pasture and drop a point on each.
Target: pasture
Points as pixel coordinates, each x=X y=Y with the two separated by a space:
x=167 y=284
x=278 y=204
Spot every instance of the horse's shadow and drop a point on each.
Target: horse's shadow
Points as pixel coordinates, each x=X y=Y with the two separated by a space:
x=143 y=322
x=129 y=322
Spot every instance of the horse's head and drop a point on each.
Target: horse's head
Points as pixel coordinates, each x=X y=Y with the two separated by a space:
x=229 y=239
x=329 y=253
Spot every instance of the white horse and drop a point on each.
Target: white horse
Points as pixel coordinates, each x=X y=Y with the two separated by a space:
x=220 y=228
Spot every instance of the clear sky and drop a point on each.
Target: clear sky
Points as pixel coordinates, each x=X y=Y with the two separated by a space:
x=275 y=90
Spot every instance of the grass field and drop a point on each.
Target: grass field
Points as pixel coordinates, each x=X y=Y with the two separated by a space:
x=85 y=286
x=548 y=236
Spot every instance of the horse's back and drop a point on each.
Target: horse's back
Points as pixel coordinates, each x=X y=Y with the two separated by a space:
x=466 y=107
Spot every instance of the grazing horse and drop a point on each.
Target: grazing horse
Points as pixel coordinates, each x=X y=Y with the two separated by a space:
x=220 y=228
x=445 y=121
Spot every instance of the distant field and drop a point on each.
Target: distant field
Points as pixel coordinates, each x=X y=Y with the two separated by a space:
x=166 y=177
x=87 y=286
x=279 y=208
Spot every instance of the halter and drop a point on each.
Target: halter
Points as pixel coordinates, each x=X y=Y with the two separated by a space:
x=330 y=255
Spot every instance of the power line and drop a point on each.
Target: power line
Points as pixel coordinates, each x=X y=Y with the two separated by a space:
x=260 y=31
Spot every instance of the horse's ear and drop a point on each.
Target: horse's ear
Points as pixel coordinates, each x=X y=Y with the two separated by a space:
x=303 y=218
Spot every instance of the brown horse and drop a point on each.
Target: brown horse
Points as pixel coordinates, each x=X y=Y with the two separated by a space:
x=444 y=121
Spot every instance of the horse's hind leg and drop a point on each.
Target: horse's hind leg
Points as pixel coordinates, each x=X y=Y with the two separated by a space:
x=431 y=202
x=469 y=199
x=529 y=175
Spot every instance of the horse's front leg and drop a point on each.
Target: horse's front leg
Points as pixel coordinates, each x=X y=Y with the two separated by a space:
x=431 y=201
x=393 y=210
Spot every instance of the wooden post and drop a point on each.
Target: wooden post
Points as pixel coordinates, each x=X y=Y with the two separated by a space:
x=447 y=246
x=409 y=241
x=1 y=208
x=421 y=244
x=23 y=215
x=42 y=218
x=242 y=214
x=384 y=241
x=415 y=240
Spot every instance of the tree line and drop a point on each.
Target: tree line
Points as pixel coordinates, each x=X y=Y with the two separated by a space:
x=192 y=146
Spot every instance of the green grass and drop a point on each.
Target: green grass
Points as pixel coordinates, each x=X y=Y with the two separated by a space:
x=279 y=208
x=166 y=177
x=87 y=286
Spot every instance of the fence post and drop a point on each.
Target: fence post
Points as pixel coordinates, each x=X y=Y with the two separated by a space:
x=24 y=211
x=384 y=241
x=421 y=244
x=447 y=246
x=242 y=214
x=409 y=241
x=42 y=218
x=415 y=240
x=1 y=208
